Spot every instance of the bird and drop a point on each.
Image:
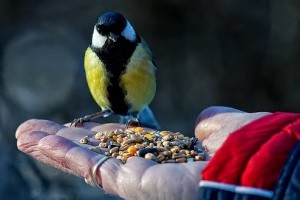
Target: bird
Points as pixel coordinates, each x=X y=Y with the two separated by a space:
x=119 y=68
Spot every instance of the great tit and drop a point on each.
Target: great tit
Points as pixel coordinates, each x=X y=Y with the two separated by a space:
x=119 y=68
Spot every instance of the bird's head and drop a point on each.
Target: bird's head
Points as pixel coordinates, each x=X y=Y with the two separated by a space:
x=112 y=26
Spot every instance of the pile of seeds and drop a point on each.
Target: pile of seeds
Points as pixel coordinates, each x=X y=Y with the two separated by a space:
x=159 y=146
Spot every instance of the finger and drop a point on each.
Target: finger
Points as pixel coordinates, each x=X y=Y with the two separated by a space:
x=64 y=153
x=96 y=127
x=49 y=127
x=215 y=124
x=108 y=127
x=56 y=151
x=208 y=120
x=215 y=110
x=85 y=125
x=75 y=134
x=28 y=143
x=38 y=125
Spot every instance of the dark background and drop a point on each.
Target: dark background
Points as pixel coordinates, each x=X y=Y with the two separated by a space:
x=243 y=54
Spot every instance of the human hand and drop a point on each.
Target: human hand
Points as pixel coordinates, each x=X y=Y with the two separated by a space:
x=58 y=146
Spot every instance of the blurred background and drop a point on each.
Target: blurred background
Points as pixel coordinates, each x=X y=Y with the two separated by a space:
x=243 y=54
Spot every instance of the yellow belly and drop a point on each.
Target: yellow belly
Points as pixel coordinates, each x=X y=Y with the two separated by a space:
x=138 y=81
x=96 y=76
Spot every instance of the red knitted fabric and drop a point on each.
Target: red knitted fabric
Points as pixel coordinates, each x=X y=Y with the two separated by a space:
x=254 y=155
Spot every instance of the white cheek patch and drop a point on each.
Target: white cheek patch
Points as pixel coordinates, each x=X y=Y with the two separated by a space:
x=129 y=32
x=98 y=40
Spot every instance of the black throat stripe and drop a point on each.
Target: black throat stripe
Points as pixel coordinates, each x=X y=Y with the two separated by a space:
x=115 y=56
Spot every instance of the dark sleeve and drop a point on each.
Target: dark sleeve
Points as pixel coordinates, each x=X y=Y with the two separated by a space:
x=288 y=186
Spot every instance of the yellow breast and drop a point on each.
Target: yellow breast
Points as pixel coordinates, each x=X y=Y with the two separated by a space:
x=97 y=79
x=139 y=79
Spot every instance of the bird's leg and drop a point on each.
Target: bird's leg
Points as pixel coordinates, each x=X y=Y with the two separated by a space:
x=89 y=118
x=133 y=122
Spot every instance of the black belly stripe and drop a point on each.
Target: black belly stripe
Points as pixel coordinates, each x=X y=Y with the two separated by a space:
x=115 y=57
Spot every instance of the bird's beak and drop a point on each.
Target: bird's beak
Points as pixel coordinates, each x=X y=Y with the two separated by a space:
x=113 y=37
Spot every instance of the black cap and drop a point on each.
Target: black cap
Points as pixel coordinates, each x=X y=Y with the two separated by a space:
x=111 y=22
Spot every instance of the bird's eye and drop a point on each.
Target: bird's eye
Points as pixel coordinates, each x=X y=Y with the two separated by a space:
x=101 y=29
x=98 y=27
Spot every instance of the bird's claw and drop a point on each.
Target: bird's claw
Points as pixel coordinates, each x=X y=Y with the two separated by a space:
x=133 y=123
x=79 y=121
